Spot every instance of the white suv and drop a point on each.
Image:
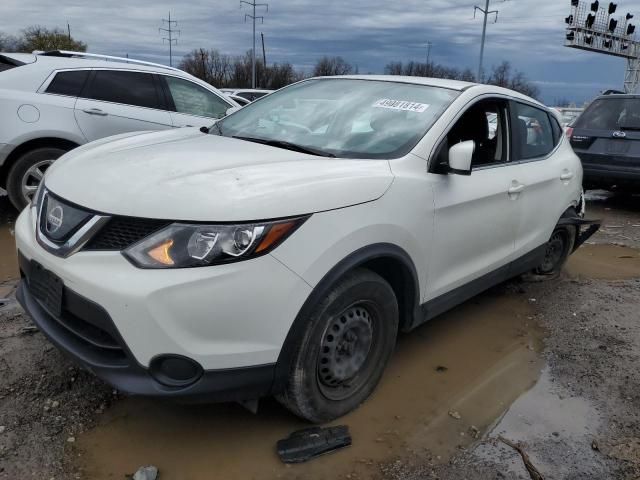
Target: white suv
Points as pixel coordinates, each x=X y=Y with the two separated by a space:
x=53 y=102
x=284 y=250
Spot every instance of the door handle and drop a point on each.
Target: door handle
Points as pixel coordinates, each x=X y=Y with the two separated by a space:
x=95 y=111
x=516 y=188
x=566 y=176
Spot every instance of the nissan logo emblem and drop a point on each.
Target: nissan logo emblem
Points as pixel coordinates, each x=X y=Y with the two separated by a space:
x=619 y=134
x=54 y=219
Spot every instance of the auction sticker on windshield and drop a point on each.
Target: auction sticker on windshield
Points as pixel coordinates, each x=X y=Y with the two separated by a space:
x=401 y=105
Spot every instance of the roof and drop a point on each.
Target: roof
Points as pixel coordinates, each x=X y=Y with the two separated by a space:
x=442 y=83
x=431 y=82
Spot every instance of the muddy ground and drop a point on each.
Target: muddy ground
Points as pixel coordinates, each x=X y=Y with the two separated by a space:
x=552 y=368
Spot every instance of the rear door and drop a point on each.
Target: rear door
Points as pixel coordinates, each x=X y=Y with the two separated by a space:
x=192 y=105
x=546 y=172
x=121 y=101
x=606 y=137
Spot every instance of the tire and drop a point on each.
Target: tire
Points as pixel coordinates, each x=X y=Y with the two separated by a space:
x=559 y=247
x=25 y=174
x=345 y=347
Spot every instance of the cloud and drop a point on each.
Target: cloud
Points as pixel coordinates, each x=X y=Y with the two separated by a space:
x=529 y=33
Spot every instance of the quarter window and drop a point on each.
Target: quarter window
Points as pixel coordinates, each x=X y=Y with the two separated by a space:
x=533 y=133
x=129 y=88
x=68 y=83
x=192 y=99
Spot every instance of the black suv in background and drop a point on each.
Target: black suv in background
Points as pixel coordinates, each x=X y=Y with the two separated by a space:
x=606 y=137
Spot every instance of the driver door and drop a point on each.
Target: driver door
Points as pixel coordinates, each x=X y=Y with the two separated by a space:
x=475 y=215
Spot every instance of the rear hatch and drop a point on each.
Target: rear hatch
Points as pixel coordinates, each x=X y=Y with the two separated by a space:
x=606 y=136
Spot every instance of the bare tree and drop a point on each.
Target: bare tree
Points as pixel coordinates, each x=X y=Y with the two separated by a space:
x=330 y=66
x=502 y=76
x=38 y=37
x=9 y=43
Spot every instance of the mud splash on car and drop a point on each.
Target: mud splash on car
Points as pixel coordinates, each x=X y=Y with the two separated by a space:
x=447 y=382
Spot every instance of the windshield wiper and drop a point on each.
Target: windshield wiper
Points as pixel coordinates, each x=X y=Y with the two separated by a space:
x=286 y=145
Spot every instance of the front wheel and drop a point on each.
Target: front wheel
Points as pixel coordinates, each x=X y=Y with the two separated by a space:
x=344 y=350
x=27 y=172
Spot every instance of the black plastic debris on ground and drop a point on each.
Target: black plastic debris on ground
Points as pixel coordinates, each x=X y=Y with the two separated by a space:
x=309 y=443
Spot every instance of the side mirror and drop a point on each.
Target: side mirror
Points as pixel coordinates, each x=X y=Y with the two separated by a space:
x=460 y=156
x=231 y=110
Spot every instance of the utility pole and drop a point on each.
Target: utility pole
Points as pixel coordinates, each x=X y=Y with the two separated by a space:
x=169 y=30
x=69 y=31
x=264 y=61
x=486 y=12
x=253 y=16
x=429 y=45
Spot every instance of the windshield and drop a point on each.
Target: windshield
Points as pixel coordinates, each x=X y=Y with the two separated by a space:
x=611 y=114
x=342 y=117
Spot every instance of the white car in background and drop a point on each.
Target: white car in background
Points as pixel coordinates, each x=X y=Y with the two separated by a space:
x=283 y=254
x=52 y=102
x=250 y=94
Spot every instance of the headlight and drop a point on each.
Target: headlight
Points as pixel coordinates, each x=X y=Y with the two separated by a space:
x=181 y=245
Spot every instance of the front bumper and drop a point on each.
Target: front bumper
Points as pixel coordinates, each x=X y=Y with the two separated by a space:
x=231 y=320
x=125 y=374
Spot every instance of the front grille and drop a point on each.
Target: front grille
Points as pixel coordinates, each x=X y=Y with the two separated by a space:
x=122 y=232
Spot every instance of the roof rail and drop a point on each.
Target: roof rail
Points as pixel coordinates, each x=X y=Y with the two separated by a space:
x=68 y=53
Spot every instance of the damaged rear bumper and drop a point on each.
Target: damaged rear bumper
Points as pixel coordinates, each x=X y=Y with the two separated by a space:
x=584 y=228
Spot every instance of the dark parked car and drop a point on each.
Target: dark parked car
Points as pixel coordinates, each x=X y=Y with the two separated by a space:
x=606 y=137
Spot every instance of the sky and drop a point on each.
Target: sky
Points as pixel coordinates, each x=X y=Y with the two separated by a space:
x=368 y=33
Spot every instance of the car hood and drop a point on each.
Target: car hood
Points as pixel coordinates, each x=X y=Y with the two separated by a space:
x=187 y=175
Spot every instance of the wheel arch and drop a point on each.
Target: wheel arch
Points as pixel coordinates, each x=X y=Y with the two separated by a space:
x=387 y=260
x=55 y=142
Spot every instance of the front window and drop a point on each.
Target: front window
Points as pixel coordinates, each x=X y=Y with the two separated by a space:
x=346 y=118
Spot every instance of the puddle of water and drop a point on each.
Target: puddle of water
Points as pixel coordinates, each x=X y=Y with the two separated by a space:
x=487 y=345
x=605 y=262
x=553 y=421
x=8 y=260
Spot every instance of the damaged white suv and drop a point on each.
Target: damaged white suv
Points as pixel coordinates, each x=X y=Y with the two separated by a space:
x=282 y=250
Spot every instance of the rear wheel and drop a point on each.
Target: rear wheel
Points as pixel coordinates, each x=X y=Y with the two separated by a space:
x=27 y=172
x=557 y=251
x=344 y=350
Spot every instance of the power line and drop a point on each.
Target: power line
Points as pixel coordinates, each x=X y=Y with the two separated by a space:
x=253 y=17
x=486 y=12
x=169 y=30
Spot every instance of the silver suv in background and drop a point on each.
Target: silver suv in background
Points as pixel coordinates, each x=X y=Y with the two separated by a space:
x=52 y=102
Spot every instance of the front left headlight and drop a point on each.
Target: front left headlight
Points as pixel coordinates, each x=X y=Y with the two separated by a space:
x=182 y=245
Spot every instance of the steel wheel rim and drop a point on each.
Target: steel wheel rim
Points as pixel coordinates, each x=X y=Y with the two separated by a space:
x=344 y=350
x=554 y=252
x=32 y=178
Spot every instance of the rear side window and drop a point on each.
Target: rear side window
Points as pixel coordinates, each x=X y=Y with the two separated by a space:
x=557 y=130
x=193 y=99
x=68 y=83
x=129 y=88
x=611 y=114
x=533 y=133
